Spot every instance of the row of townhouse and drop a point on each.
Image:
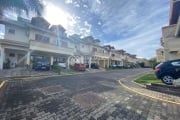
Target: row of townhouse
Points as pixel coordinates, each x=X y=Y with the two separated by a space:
x=22 y=41
x=170 y=40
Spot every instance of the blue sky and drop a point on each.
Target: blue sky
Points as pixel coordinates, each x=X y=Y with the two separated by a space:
x=132 y=25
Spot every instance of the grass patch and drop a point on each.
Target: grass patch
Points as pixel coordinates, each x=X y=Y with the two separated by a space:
x=148 y=78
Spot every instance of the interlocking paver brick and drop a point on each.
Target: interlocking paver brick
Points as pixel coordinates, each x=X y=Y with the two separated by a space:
x=26 y=99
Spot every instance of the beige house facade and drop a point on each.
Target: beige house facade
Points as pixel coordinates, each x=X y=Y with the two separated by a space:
x=23 y=41
x=171 y=34
x=160 y=55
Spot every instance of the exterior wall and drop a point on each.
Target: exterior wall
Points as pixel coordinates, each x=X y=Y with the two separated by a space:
x=85 y=48
x=20 y=34
x=17 y=60
x=100 y=52
x=25 y=36
x=171 y=43
x=160 y=55
x=52 y=38
x=169 y=31
x=35 y=45
x=146 y=62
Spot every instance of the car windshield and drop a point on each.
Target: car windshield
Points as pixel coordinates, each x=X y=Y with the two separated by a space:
x=89 y=59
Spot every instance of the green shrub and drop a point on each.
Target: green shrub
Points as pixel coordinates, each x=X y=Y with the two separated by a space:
x=57 y=69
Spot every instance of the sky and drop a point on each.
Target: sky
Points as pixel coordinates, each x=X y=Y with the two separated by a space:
x=132 y=25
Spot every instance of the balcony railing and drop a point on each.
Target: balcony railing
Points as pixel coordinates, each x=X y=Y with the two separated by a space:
x=102 y=55
x=80 y=52
x=39 y=46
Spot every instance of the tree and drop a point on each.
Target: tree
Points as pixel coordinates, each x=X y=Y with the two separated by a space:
x=19 y=5
x=153 y=62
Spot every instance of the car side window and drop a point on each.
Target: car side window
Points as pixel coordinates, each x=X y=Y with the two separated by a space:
x=176 y=63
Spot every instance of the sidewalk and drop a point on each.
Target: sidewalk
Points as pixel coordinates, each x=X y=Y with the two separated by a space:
x=18 y=72
x=133 y=87
x=23 y=72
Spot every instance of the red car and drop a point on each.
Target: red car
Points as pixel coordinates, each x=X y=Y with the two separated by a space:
x=80 y=67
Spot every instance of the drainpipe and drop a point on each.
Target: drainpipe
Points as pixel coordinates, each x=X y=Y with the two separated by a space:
x=1 y=58
x=90 y=62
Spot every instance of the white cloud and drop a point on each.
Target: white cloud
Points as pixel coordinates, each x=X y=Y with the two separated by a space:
x=85 y=6
x=99 y=23
x=72 y=23
x=98 y=1
x=143 y=45
x=137 y=23
x=68 y=1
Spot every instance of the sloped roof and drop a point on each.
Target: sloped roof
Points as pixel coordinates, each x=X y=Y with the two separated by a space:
x=59 y=27
x=40 y=22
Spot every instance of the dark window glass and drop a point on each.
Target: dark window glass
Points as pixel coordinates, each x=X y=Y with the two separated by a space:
x=41 y=38
x=11 y=55
x=176 y=63
x=94 y=49
x=11 y=31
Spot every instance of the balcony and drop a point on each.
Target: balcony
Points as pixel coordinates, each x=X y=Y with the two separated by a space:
x=45 y=47
x=173 y=45
x=101 y=55
x=117 y=57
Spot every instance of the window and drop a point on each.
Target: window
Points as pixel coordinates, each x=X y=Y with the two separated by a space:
x=113 y=55
x=176 y=63
x=162 y=52
x=2 y=31
x=11 y=55
x=94 y=49
x=11 y=31
x=42 y=38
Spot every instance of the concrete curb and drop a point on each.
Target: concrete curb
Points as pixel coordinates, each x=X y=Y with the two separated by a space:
x=143 y=86
x=145 y=95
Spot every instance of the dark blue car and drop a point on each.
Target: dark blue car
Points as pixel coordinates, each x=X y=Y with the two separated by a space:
x=41 y=64
x=168 y=71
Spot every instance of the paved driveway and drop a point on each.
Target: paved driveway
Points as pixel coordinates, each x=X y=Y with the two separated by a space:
x=82 y=97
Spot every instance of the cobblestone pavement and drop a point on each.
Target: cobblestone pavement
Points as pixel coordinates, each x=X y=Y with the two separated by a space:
x=95 y=96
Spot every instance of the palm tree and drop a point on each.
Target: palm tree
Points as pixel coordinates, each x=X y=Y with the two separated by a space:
x=18 y=5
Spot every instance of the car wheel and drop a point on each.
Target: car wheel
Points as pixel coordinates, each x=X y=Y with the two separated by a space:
x=167 y=79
